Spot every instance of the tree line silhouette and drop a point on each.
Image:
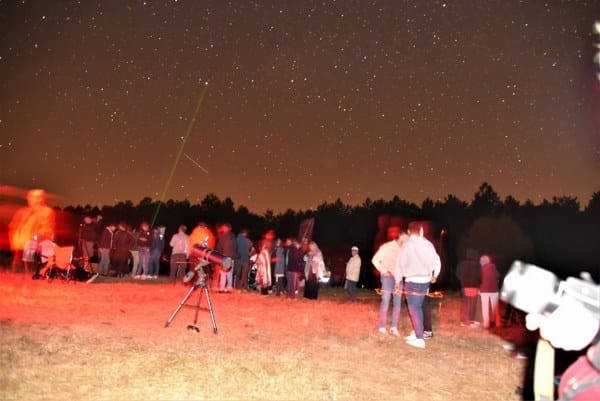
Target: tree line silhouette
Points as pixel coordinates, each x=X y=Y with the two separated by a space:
x=557 y=235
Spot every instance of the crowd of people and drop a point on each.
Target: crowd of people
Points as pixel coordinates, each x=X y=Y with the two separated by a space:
x=271 y=266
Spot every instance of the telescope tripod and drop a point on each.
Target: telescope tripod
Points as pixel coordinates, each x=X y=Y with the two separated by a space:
x=193 y=326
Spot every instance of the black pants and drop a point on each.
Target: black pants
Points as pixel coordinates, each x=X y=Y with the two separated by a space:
x=311 y=287
x=279 y=285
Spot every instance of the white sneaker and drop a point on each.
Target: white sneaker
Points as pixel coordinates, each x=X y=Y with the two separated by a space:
x=382 y=330
x=394 y=332
x=411 y=336
x=417 y=343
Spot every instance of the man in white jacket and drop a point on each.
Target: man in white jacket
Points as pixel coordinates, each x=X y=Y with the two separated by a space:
x=384 y=261
x=419 y=265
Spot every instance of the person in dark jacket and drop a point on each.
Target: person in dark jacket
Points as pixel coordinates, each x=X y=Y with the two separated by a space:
x=104 y=246
x=144 y=243
x=88 y=236
x=242 y=265
x=122 y=243
x=469 y=274
x=295 y=267
x=158 y=244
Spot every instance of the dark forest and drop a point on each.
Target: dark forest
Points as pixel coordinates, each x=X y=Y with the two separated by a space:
x=560 y=235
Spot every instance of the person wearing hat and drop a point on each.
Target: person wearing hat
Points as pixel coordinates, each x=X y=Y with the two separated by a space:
x=352 y=273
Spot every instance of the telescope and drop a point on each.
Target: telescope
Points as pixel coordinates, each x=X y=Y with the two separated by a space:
x=206 y=256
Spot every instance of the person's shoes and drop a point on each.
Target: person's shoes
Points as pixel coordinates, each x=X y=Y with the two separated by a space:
x=417 y=343
x=475 y=324
x=427 y=335
x=411 y=336
x=394 y=332
x=383 y=330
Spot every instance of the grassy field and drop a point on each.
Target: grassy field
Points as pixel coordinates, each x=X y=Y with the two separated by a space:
x=107 y=341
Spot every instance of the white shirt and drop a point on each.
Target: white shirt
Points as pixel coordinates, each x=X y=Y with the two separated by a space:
x=179 y=243
x=417 y=261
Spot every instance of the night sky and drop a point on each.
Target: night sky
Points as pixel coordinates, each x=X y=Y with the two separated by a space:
x=305 y=101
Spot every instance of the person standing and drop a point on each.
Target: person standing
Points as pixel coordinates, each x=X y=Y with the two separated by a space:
x=314 y=270
x=419 y=265
x=226 y=246
x=295 y=267
x=122 y=244
x=263 y=270
x=179 y=253
x=353 y=273
x=384 y=261
x=469 y=273
x=88 y=237
x=158 y=244
x=279 y=266
x=144 y=242
x=488 y=291
x=104 y=246
x=242 y=265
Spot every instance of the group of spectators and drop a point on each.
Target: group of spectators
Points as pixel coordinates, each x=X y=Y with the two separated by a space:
x=272 y=265
x=129 y=251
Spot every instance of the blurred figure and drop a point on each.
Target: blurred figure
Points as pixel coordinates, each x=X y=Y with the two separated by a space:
x=179 y=253
x=352 y=273
x=314 y=270
x=104 y=247
x=144 y=243
x=488 y=291
x=158 y=244
x=36 y=218
x=279 y=267
x=242 y=265
x=419 y=264
x=226 y=246
x=469 y=274
x=263 y=272
x=384 y=261
x=295 y=267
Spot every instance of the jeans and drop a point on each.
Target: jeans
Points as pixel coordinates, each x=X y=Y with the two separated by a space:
x=104 y=264
x=144 y=253
x=177 y=266
x=154 y=267
x=351 y=287
x=292 y=284
x=489 y=300
x=225 y=279
x=387 y=289
x=415 y=295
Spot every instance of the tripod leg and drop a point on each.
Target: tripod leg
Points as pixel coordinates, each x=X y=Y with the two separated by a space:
x=197 y=307
x=183 y=301
x=210 y=309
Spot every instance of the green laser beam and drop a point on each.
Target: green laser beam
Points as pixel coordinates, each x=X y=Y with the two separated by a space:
x=176 y=162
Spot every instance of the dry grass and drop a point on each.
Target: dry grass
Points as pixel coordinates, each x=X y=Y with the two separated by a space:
x=106 y=341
